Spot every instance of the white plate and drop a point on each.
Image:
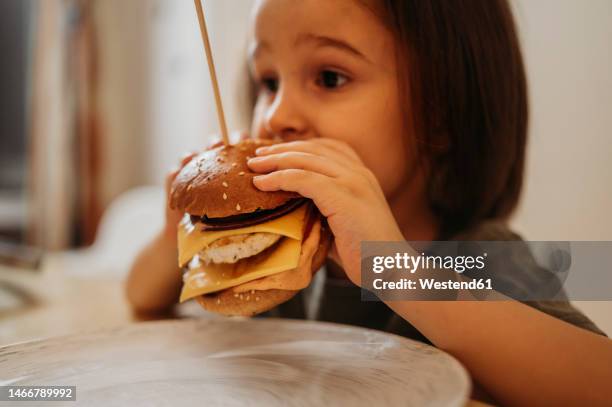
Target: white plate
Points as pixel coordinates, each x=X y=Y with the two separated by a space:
x=236 y=362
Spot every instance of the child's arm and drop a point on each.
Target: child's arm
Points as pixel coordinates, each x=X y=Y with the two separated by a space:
x=154 y=281
x=520 y=355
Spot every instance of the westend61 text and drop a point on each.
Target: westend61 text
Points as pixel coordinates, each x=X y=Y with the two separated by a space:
x=432 y=284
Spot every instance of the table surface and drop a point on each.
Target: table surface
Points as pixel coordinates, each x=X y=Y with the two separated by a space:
x=45 y=304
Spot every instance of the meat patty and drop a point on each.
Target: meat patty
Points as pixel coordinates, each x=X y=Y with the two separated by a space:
x=230 y=249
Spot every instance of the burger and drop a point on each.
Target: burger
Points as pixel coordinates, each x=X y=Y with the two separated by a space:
x=243 y=251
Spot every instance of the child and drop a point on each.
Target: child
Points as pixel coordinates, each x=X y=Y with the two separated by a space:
x=407 y=121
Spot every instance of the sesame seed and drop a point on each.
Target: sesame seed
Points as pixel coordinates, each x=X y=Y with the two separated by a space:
x=225 y=184
x=252 y=291
x=240 y=296
x=224 y=196
x=189 y=187
x=241 y=173
x=248 y=297
x=256 y=298
x=234 y=164
x=218 y=301
x=237 y=207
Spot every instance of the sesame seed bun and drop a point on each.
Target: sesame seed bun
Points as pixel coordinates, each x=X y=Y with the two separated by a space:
x=217 y=183
x=245 y=304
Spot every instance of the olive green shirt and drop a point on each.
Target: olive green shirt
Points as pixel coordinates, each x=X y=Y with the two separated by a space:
x=338 y=300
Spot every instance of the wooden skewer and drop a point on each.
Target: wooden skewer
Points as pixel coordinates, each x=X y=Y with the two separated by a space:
x=213 y=74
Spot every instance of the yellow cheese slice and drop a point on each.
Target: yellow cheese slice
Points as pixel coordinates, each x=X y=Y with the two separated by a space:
x=207 y=278
x=191 y=239
x=293 y=279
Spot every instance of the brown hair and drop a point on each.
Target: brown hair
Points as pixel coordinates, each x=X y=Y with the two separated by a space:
x=468 y=96
x=465 y=80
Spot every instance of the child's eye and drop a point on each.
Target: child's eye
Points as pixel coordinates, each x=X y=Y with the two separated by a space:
x=270 y=84
x=331 y=79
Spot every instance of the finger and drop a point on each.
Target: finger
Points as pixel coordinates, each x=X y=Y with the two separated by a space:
x=318 y=187
x=214 y=144
x=304 y=146
x=340 y=146
x=173 y=172
x=173 y=216
x=297 y=160
x=170 y=176
x=187 y=157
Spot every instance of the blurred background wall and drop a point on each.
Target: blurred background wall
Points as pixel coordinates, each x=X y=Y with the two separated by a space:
x=567 y=47
x=153 y=102
x=156 y=100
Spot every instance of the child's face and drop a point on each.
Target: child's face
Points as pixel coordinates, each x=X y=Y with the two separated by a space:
x=327 y=69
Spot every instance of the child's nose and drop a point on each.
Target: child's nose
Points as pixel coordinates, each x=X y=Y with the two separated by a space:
x=284 y=117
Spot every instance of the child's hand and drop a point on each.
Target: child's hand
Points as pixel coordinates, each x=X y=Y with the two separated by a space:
x=331 y=174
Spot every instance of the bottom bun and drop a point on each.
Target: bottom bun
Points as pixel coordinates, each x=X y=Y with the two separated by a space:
x=230 y=303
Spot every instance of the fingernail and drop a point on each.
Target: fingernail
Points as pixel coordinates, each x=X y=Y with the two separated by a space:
x=258 y=178
x=261 y=150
